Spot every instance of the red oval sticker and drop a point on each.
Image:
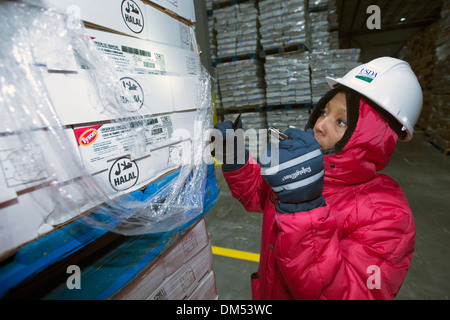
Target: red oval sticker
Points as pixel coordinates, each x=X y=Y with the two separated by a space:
x=88 y=137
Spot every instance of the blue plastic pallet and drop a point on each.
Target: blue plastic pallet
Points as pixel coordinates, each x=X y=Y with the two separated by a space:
x=246 y=56
x=37 y=256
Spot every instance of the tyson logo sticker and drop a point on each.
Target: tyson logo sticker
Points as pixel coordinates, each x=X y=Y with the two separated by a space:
x=88 y=137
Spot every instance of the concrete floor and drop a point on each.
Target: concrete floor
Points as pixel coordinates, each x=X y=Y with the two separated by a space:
x=419 y=168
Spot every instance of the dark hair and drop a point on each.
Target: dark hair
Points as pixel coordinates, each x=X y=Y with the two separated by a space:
x=352 y=99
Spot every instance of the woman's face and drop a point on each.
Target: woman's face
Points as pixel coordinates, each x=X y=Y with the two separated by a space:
x=332 y=124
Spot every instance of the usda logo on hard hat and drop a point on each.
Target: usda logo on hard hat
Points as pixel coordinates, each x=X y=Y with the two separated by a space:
x=366 y=75
x=392 y=85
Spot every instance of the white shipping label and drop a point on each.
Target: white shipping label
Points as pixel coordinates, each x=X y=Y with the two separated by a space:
x=100 y=143
x=137 y=56
x=133 y=59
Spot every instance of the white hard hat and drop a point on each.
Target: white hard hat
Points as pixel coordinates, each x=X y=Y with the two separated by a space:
x=392 y=85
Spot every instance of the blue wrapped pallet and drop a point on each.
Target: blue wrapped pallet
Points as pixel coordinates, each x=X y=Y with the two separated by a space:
x=104 y=169
x=133 y=255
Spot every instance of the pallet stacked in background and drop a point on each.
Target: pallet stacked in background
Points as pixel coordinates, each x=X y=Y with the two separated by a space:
x=421 y=52
x=237 y=30
x=294 y=38
x=287 y=79
x=152 y=46
x=241 y=83
x=439 y=123
x=324 y=24
x=333 y=63
x=287 y=31
x=428 y=56
x=288 y=117
x=283 y=24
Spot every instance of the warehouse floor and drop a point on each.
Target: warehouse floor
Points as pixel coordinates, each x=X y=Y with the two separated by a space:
x=419 y=168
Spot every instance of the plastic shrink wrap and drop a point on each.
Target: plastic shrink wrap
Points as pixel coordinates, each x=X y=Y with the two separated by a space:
x=40 y=163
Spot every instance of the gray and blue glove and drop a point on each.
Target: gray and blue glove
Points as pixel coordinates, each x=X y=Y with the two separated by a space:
x=233 y=154
x=296 y=177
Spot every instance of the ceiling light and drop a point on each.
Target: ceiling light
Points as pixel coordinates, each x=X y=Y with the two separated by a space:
x=402 y=19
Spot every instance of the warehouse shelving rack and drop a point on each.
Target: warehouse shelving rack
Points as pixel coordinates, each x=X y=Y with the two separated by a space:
x=260 y=55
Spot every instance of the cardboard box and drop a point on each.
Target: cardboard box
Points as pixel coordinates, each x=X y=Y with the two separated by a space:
x=42 y=208
x=130 y=17
x=183 y=8
x=30 y=207
x=185 y=279
x=187 y=248
x=122 y=159
x=142 y=56
x=102 y=143
x=158 y=77
x=17 y=225
x=39 y=211
x=124 y=175
x=206 y=289
x=76 y=99
x=34 y=158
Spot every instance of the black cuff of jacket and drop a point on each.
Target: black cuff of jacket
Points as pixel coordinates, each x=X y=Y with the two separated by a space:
x=234 y=166
x=301 y=207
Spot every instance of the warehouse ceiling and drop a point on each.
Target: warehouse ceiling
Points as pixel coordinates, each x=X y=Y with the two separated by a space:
x=400 y=20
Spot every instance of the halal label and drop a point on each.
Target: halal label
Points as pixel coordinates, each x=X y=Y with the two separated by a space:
x=134 y=99
x=132 y=15
x=123 y=174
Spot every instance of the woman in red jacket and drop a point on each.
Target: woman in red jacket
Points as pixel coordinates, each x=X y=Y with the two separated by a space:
x=333 y=228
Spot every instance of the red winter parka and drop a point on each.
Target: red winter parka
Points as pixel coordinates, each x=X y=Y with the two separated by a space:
x=358 y=246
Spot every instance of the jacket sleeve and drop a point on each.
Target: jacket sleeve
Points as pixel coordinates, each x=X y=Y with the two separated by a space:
x=247 y=185
x=370 y=262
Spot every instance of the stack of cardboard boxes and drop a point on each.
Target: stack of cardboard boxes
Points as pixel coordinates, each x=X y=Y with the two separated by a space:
x=241 y=83
x=421 y=52
x=333 y=63
x=237 y=30
x=151 y=45
x=284 y=23
x=287 y=79
x=440 y=98
x=428 y=56
x=323 y=24
x=184 y=271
